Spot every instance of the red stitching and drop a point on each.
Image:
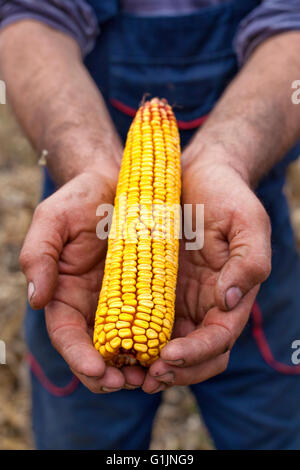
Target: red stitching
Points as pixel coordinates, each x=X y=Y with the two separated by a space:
x=263 y=346
x=183 y=125
x=186 y=125
x=47 y=384
x=123 y=107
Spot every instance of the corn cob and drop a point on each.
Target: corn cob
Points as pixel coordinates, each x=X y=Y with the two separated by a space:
x=135 y=312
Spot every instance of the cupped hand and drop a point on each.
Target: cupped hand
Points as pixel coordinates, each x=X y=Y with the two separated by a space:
x=63 y=261
x=217 y=285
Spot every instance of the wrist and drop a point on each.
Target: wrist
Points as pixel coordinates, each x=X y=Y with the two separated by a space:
x=73 y=154
x=202 y=155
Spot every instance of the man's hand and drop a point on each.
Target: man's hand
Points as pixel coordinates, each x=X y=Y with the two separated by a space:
x=218 y=284
x=63 y=261
x=64 y=113
x=251 y=127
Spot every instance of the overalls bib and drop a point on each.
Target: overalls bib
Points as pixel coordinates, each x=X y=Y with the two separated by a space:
x=189 y=60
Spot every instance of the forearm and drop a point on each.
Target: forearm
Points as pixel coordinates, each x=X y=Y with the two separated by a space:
x=255 y=121
x=56 y=101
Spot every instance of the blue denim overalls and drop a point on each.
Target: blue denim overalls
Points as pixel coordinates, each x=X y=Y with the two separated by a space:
x=253 y=405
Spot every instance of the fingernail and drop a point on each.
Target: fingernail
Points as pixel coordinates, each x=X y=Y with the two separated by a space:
x=175 y=362
x=31 y=290
x=109 y=389
x=167 y=377
x=160 y=388
x=130 y=386
x=232 y=297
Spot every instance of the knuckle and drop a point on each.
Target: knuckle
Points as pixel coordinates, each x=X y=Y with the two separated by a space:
x=261 y=213
x=57 y=336
x=226 y=334
x=25 y=259
x=258 y=267
x=261 y=267
x=40 y=210
x=201 y=344
x=260 y=264
x=266 y=268
x=263 y=264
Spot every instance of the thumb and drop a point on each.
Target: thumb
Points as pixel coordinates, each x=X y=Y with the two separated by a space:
x=249 y=262
x=40 y=254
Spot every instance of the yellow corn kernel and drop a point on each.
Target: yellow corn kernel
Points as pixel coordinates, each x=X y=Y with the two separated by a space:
x=140 y=339
x=141 y=323
x=125 y=333
x=112 y=334
x=126 y=317
x=135 y=313
x=140 y=347
x=136 y=330
x=108 y=327
x=151 y=334
x=143 y=316
x=127 y=343
x=127 y=309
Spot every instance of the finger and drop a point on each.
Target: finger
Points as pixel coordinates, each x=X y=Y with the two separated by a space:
x=215 y=336
x=170 y=376
x=153 y=385
x=249 y=260
x=111 y=381
x=40 y=253
x=199 y=346
x=134 y=377
x=67 y=330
